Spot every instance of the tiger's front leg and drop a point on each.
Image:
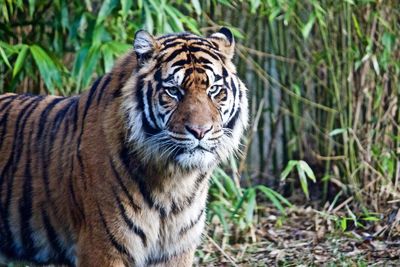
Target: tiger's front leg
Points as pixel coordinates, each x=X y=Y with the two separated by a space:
x=182 y=260
x=92 y=253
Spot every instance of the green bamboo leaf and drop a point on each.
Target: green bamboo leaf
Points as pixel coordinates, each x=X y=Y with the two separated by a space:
x=254 y=4
x=303 y=180
x=307 y=169
x=289 y=167
x=79 y=60
x=4 y=57
x=32 y=4
x=119 y=48
x=174 y=16
x=107 y=57
x=105 y=10
x=219 y=211
x=48 y=68
x=281 y=198
x=251 y=205
x=343 y=224
x=5 y=12
x=306 y=29
x=64 y=14
x=219 y=185
x=239 y=204
x=20 y=60
x=90 y=64
x=126 y=5
x=337 y=131
x=229 y=185
x=191 y=24
x=197 y=6
x=375 y=64
x=236 y=32
x=42 y=62
x=149 y=23
x=272 y=197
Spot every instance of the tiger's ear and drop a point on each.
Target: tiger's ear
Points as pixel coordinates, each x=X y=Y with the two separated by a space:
x=225 y=41
x=144 y=45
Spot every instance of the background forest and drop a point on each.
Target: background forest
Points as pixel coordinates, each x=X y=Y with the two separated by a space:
x=323 y=149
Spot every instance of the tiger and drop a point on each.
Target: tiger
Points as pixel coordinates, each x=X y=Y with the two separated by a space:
x=119 y=174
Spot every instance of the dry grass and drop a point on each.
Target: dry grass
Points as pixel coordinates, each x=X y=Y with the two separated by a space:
x=305 y=237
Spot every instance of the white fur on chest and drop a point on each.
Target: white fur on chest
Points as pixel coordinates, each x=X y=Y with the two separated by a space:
x=177 y=232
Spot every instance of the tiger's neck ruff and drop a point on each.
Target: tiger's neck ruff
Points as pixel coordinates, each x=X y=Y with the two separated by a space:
x=119 y=175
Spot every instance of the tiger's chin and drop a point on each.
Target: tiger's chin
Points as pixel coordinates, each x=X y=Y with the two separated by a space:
x=199 y=159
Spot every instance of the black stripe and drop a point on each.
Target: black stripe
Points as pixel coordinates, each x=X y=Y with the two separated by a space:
x=195 y=49
x=57 y=121
x=89 y=99
x=158 y=77
x=6 y=103
x=64 y=153
x=46 y=129
x=25 y=205
x=117 y=93
x=11 y=167
x=189 y=199
x=174 y=54
x=234 y=92
x=74 y=115
x=72 y=192
x=136 y=229
x=203 y=61
x=137 y=176
x=13 y=96
x=162 y=101
x=210 y=68
x=43 y=120
x=133 y=172
x=206 y=45
x=149 y=103
x=88 y=103
x=3 y=124
x=176 y=44
x=102 y=88
x=154 y=260
x=181 y=62
x=52 y=237
x=123 y=187
x=185 y=229
x=148 y=129
x=234 y=119
x=217 y=77
x=118 y=246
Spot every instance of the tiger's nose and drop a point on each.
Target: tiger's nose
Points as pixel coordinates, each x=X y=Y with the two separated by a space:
x=198 y=131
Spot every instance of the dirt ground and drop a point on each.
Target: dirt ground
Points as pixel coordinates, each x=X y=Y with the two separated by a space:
x=307 y=237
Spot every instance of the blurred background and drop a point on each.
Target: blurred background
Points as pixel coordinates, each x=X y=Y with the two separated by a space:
x=324 y=91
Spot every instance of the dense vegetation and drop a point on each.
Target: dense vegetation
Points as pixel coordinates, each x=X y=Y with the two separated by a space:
x=323 y=78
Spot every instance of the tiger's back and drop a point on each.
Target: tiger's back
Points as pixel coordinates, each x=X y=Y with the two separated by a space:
x=118 y=176
x=33 y=129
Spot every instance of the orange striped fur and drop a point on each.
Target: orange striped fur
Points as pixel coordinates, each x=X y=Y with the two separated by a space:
x=118 y=176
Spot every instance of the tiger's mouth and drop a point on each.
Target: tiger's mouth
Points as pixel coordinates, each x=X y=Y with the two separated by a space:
x=201 y=148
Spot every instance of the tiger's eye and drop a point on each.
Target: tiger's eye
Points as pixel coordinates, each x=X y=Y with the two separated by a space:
x=173 y=92
x=214 y=90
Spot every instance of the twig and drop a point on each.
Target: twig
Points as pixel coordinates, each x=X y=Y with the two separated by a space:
x=222 y=251
x=264 y=54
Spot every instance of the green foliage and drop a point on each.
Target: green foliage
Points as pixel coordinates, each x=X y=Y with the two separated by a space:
x=303 y=170
x=65 y=43
x=237 y=206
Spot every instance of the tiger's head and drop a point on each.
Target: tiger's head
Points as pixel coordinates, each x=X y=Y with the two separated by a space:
x=185 y=104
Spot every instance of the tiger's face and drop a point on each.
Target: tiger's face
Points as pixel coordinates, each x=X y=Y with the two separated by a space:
x=185 y=105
